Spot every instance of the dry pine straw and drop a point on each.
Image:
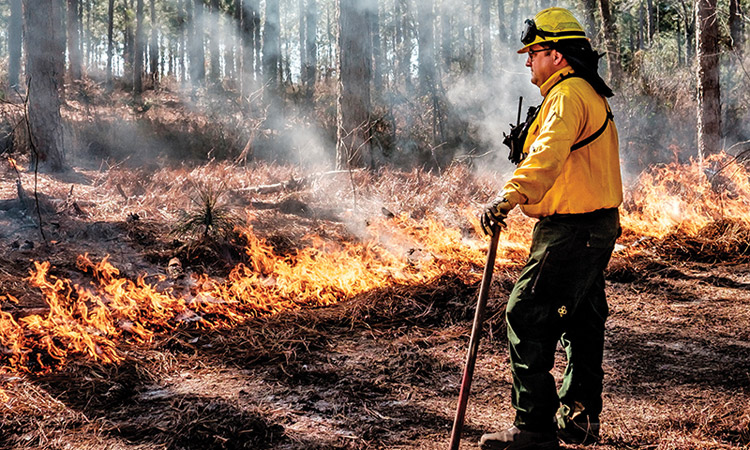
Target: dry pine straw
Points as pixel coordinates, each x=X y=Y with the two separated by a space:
x=39 y=419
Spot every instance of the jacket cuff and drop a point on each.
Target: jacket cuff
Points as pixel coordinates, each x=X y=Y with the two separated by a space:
x=513 y=196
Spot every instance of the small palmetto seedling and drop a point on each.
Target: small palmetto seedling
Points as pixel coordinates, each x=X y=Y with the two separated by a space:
x=209 y=218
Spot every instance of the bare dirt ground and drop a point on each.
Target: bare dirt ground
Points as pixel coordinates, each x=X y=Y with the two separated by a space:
x=378 y=370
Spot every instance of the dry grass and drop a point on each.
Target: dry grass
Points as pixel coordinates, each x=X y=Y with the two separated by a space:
x=381 y=369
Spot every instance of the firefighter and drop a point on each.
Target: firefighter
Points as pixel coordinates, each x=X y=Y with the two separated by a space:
x=569 y=178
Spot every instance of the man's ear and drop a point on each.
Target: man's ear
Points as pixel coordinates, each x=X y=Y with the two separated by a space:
x=558 y=59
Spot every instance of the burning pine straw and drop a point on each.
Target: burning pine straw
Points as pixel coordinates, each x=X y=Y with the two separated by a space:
x=92 y=320
x=724 y=242
x=385 y=253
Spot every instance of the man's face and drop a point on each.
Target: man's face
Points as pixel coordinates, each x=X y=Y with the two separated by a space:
x=543 y=63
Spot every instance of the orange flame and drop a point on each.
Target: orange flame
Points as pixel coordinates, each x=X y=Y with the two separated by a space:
x=13 y=164
x=93 y=321
x=687 y=197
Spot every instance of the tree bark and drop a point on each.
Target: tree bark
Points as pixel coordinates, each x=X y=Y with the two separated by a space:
x=709 y=96
x=302 y=15
x=249 y=24
x=272 y=64
x=736 y=24
x=138 y=52
x=641 y=25
x=42 y=66
x=15 y=42
x=651 y=13
x=182 y=36
x=58 y=17
x=311 y=45
x=271 y=44
x=154 y=47
x=128 y=52
x=74 y=43
x=405 y=43
x=688 y=14
x=197 y=53
x=610 y=37
x=484 y=26
x=257 y=39
x=446 y=31
x=213 y=39
x=590 y=7
x=110 y=42
x=355 y=73
x=502 y=30
x=426 y=42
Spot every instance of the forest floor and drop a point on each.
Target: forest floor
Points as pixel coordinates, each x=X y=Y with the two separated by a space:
x=381 y=368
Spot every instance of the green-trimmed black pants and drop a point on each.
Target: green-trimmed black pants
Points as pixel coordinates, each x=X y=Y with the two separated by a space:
x=560 y=296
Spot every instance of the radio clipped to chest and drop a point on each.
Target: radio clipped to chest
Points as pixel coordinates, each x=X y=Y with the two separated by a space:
x=517 y=136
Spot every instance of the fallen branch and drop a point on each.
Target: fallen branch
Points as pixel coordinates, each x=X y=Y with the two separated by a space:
x=293 y=184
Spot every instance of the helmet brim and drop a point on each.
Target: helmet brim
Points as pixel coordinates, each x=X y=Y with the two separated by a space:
x=542 y=40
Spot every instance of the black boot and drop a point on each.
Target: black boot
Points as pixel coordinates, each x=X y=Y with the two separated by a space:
x=516 y=439
x=575 y=426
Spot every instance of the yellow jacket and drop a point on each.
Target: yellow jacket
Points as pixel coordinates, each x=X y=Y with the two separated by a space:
x=554 y=180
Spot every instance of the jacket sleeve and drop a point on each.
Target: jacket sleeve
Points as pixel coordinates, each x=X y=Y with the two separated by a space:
x=548 y=146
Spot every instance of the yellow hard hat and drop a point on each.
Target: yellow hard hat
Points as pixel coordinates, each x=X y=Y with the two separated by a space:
x=550 y=25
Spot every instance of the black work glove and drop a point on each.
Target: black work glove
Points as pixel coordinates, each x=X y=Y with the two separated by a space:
x=494 y=214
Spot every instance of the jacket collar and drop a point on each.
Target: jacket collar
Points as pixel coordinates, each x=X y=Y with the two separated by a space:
x=554 y=79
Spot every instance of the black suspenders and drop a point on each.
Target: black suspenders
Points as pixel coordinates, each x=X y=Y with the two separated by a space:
x=597 y=133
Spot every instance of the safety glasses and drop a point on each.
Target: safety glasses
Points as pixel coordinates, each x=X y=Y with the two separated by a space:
x=531 y=53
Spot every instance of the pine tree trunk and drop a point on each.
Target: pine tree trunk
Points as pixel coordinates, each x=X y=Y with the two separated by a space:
x=377 y=50
x=610 y=37
x=446 y=44
x=302 y=43
x=247 y=33
x=15 y=42
x=709 y=96
x=688 y=15
x=257 y=42
x=93 y=57
x=128 y=53
x=138 y=53
x=311 y=45
x=405 y=45
x=641 y=25
x=110 y=41
x=502 y=33
x=329 y=47
x=651 y=13
x=272 y=72
x=197 y=53
x=74 y=49
x=182 y=54
x=735 y=24
x=484 y=25
x=213 y=39
x=355 y=64
x=154 y=47
x=42 y=64
x=271 y=54
x=60 y=42
x=426 y=42
x=590 y=7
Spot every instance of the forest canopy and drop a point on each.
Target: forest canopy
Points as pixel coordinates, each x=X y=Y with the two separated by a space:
x=353 y=82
